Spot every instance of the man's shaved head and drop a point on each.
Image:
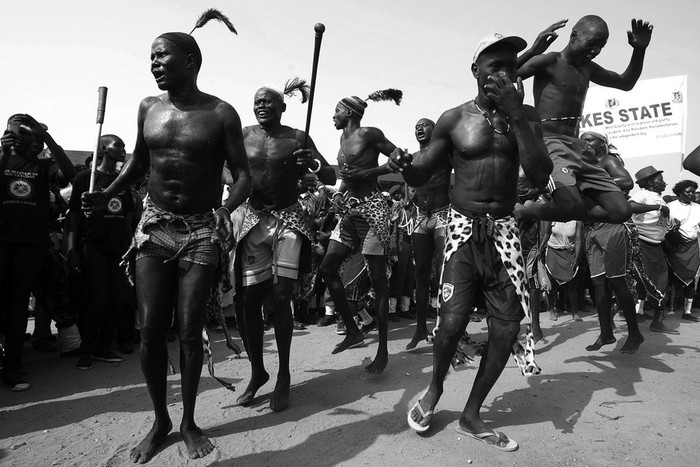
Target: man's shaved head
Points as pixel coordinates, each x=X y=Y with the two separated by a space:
x=591 y=23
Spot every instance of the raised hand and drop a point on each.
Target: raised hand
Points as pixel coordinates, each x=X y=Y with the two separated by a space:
x=640 y=35
x=507 y=98
x=546 y=37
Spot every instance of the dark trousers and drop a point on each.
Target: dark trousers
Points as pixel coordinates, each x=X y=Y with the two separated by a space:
x=106 y=291
x=19 y=266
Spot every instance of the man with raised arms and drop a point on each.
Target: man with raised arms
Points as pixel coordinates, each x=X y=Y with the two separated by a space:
x=184 y=138
x=486 y=139
x=364 y=226
x=273 y=231
x=560 y=88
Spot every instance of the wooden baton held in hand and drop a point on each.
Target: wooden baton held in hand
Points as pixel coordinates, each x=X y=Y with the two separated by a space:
x=101 y=105
x=320 y=29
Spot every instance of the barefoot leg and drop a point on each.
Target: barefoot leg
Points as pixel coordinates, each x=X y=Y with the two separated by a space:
x=144 y=451
x=197 y=444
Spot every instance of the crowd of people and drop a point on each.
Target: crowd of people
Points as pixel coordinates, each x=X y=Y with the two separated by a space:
x=506 y=212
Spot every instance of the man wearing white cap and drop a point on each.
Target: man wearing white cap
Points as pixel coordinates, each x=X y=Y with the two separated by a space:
x=490 y=136
x=274 y=231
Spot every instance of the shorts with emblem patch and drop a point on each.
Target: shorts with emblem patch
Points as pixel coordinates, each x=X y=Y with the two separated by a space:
x=477 y=266
x=575 y=164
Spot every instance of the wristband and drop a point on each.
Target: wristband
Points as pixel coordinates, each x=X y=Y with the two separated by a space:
x=318 y=167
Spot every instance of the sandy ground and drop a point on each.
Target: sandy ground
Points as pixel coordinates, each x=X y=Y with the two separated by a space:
x=598 y=408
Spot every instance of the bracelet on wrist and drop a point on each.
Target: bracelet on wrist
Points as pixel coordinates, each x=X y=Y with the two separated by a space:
x=318 y=167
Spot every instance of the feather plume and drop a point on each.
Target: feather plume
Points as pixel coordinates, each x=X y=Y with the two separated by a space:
x=297 y=84
x=210 y=14
x=386 y=95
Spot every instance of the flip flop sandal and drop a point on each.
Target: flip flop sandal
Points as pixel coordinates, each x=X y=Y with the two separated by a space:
x=425 y=416
x=493 y=438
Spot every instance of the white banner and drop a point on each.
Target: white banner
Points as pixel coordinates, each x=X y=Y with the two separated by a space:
x=649 y=120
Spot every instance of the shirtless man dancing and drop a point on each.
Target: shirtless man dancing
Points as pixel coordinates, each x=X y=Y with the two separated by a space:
x=184 y=137
x=364 y=226
x=487 y=140
x=273 y=231
x=560 y=88
x=433 y=199
x=433 y=202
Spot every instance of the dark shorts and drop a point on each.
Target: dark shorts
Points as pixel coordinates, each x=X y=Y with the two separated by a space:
x=354 y=232
x=606 y=248
x=478 y=267
x=575 y=164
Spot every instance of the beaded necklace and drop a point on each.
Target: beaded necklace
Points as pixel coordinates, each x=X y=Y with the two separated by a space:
x=495 y=130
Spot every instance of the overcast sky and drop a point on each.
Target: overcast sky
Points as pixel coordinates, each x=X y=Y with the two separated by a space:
x=56 y=54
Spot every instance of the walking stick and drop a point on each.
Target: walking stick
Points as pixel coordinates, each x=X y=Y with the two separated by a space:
x=320 y=29
x=101 y=104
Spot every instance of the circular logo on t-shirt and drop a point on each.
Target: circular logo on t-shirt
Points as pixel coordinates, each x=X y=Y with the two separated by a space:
x=114 y=205
x=20 y=188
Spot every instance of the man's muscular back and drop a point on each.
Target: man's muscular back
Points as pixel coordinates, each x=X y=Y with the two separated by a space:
x=273 y=165
x=186 y=148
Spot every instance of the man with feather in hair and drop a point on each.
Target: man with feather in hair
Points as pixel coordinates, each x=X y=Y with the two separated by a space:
x=364 y=226
x=184 y=138
x=275 y=234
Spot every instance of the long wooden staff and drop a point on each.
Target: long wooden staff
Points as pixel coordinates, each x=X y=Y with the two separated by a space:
x=101 y=105
x=320 y=29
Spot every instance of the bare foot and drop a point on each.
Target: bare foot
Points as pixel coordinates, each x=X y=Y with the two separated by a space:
x=197 y=444
x=420 y=335
x=249 y=393
x=553 y=316
x=632 y=344
x=231 y=344
x=537 y=334
x=600 y=342
x=576 y=317
x=379 y=363
x=144 y=451
x=280 y=396
x=350 y=342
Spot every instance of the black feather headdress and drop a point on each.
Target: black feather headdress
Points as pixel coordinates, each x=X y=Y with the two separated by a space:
x=210 y=14
x=386 y=95
x=297 y=84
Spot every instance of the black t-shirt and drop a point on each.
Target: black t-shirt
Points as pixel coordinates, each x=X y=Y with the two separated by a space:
x=109 y=229
x=24 y=198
